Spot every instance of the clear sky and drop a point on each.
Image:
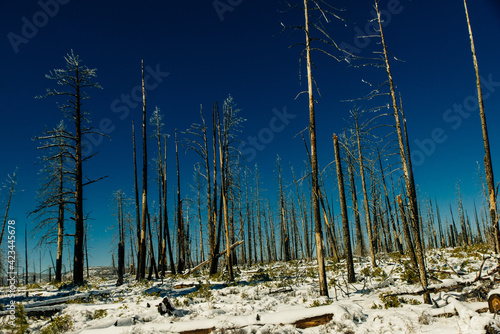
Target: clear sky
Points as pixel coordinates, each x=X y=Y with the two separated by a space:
x=196 y=54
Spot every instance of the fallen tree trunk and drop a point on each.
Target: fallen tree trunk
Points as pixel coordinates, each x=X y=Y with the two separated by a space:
x=236 y=244
x=40 y=311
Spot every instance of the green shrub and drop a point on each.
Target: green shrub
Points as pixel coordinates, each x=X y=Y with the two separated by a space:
x=98 y=314
x=60 y=324
x=380 y=273
x=203 y=292
x=409 y=275
x=318 y=303
x=390 y=301
x=20 y=321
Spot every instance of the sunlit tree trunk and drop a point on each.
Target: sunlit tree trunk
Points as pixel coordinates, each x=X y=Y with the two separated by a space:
x=323 y=287
x=407 y=168
x=488 y=166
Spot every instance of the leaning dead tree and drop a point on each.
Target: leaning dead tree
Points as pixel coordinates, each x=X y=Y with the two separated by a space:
x=77 y=79
x=488 y=166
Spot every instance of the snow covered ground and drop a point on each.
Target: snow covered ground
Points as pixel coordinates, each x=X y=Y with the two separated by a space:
x=271 y=298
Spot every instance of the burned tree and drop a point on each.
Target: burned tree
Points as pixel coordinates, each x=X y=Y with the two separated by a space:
x=77 y=79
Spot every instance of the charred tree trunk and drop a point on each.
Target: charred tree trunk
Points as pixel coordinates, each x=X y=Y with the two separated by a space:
x=181 y=244
x=141 y=272
x=351 y=278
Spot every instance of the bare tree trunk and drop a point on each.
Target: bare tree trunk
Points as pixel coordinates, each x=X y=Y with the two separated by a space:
x=365 y=196
x=79 y=223
x=223 y=160
x=285 y=241
x=121 y=243
x=351 y=278
x=141 y=273
x=407 y=169
x=360 y=244
x=488 y=166
x=259 y=228
x=152 y=261
x=60 y=220
x=303 y=219
x=406 y=229
x=181 y=244
x=249 y=221
x=323 y=287
x=214 y=249
x=137 y=210
x=389 y=207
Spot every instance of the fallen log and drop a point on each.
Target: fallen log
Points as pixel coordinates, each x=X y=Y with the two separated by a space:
x=236 y=244
x=300 y=318
x=314 y=321
x=40 y=311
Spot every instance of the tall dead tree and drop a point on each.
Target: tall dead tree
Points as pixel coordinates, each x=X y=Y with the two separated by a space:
x=488 y=166
x=181 y=243
x=323 y=286
x=351 y=277
x=156 y=121
x=303 y=215
x=77 y=78
x=214 y=243
x=285 y=239
x=142 y=250
x=200 y=146
x=165 y=213
x=360 y=244
x=119 y=199
x=54 y=195
x=137 y=204
x=369 y=227
x=406 y=164
x=259 y=225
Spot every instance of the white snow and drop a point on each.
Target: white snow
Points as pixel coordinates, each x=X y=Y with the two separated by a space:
x=269 y=298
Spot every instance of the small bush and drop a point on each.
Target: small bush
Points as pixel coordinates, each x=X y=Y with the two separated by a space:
x=318 y=303
x=390 y=301
x=380 y=273
x=33 y=286
x=20 y=321
x=409 y=275
x=260 y=277
x=203 y=292
x=60 y=324
x=366 y=271
x=98 y=314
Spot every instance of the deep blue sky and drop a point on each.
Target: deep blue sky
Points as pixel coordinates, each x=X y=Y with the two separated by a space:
x=246 y=56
